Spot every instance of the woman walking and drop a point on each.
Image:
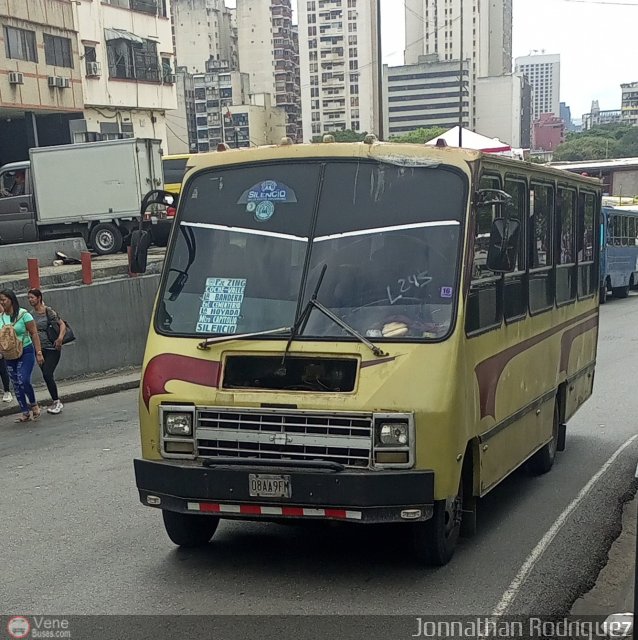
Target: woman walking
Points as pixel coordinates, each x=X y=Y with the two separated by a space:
x=21 y=368
x=46 y=319
x=4 y=376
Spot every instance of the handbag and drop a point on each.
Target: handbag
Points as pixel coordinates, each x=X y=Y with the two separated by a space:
x=53 y=329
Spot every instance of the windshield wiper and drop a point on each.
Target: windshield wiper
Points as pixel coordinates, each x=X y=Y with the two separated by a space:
x=205 y=344
x=313 y=303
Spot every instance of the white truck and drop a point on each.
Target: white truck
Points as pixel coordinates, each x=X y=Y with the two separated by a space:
x=92 y=190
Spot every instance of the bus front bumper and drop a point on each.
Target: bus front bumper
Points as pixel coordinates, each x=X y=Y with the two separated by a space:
x=353 y=496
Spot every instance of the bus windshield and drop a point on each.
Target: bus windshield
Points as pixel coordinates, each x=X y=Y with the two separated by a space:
x=253 y=240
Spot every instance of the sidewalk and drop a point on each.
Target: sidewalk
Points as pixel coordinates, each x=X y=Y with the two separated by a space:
x=87 y=387
x=614 y=589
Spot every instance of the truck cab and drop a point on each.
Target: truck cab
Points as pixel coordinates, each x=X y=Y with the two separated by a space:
x=17 y=204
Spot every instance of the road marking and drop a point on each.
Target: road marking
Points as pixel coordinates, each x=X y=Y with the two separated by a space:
x=516 y=584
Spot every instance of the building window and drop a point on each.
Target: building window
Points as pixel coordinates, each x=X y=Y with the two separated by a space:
x=153 y=7
x=57 y=51
x=132 y=61
x=20 y=44
x=90 y=54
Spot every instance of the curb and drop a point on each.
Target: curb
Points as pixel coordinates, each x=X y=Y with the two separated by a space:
x=85 y=394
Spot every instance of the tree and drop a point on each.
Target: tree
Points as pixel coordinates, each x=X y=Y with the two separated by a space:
x=347 y=135
x=419 y=136
x=599 y=143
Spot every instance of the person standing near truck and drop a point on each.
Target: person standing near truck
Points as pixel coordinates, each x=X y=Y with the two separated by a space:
x=46 y=319
x=20 y=324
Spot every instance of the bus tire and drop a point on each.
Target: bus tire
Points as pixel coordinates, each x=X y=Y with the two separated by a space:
x=434 y=541
x=543 y=460
x=620 y=292
x=189 y=530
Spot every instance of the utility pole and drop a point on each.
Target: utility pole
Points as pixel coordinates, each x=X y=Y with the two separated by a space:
x=461 y=84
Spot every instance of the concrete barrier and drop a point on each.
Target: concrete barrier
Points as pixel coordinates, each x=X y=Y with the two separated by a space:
x=110 y=319
x=13 y=257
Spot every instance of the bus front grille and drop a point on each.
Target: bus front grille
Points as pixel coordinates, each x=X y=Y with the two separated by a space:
x=345 y=438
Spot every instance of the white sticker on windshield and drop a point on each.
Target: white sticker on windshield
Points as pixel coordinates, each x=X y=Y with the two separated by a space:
x=221 y=305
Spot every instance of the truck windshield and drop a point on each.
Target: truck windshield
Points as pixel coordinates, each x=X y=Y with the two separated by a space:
x=254 y=238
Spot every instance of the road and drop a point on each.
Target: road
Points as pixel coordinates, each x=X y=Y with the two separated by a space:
x=79 y=542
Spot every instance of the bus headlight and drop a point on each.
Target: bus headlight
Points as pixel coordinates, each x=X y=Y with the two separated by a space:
x=178 y=424
x=393 y=434
x=394 y=440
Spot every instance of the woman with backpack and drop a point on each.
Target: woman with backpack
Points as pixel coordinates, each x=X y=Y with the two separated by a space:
x=51 y=329
x=20 y=347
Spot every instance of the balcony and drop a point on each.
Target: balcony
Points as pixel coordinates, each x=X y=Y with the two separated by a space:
x=151 y=7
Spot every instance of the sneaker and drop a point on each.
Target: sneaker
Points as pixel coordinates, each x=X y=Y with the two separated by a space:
x=7 y=397
x=55 y=408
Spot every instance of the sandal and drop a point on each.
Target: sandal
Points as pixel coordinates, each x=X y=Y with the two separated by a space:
x=25 y=417
x=36 y=411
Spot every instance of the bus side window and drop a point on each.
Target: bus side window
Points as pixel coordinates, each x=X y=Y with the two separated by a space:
x=541 y=274
x=515 y=287
x=587 y=276
x=566 y=278
x=484 y=307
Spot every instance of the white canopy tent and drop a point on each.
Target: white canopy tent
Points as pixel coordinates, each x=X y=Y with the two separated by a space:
x=473 y=140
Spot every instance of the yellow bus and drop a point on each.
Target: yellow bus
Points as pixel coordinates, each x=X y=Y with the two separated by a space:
x=368 y=332
x=174 y=168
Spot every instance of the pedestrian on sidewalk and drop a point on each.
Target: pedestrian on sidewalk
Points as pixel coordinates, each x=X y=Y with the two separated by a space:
x=48 y=321
x=21 y=368
x=4 y=376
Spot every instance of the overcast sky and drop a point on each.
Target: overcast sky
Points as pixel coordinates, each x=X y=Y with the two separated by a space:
x=595 y=38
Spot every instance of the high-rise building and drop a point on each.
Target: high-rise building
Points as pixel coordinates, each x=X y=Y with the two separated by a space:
x=435 y=27
x=203 y=30
x=543 y=73
x=425 y=95
x=629 y=106
x=269 y=54
x=128 y=70
x=339 y=65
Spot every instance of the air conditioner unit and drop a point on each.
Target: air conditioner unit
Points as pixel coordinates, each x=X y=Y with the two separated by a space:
x=63 y=83
x=93 y=69
x=15 y=77
x=53 y=81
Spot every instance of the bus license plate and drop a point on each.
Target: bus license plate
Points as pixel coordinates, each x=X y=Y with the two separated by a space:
x=269 y=486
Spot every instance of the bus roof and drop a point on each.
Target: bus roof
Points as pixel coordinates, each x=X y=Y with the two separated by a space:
x=403 y=154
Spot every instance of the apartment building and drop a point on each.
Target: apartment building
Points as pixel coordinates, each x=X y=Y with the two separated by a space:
x=543 y=73
x=483 y=35
x=339 y=65
x=629 y=105
x=40 y=76
x=203 y=30
x=269 y=54
x=128 y=69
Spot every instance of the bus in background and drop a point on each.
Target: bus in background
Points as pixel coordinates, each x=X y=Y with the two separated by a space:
x=619 y=251
x=174 y=170
x=364 y=332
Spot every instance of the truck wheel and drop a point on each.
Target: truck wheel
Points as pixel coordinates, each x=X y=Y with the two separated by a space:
x=106 y=238
x=434 y=541
x=543 y=460
x=620 y=292
x=189 y=530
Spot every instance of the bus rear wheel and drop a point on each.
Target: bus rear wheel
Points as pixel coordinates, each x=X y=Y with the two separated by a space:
x=543 y=460
x=189 y=530
x=434 y=541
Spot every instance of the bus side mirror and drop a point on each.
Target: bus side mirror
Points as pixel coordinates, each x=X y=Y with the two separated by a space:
x=140 y=242
x=504 y=243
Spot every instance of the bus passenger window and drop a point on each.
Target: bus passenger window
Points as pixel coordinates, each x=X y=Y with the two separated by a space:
x=566 y=280
x=484 y=300
x=587 y=276
x=515 y=287
x=541 y=280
